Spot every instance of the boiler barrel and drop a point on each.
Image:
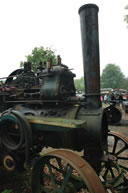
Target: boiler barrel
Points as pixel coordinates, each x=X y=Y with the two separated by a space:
x=90 y=47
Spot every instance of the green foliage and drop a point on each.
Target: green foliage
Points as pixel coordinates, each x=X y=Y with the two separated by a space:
x=79 y=84
x=126 y=16
x=126 y=84
x=7 y=191
x=38 y=55
x=112 y=77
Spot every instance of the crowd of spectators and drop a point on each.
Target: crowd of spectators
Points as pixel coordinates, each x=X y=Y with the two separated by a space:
x=108 y=98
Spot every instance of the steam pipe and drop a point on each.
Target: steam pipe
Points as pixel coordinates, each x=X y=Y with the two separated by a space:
x=90 y=48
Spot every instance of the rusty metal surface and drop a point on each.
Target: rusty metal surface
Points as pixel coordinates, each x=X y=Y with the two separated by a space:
x=71 y=114
x=118 y=147
x=114 y=168
x=120 y=135
x=86 y=172
x=90 y=47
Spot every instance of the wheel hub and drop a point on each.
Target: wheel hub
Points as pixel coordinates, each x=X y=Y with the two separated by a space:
x=112 y=157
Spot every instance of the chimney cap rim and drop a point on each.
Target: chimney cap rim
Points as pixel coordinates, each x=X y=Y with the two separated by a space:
x=88 y=6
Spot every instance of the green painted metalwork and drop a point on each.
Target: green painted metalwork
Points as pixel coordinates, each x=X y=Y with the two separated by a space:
x=54 y=124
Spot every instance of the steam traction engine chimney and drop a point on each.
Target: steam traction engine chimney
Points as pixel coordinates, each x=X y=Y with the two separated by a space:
x=95 y=116
x=90 y=47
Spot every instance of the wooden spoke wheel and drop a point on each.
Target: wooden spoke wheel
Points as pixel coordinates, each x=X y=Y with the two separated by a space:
x=115 y=167
x=63 y=171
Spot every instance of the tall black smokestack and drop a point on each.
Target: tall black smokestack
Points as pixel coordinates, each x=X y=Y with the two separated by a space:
x=90 y=47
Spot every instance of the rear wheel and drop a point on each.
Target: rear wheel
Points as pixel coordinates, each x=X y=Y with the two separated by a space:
x=118 y=147
x=115 y=165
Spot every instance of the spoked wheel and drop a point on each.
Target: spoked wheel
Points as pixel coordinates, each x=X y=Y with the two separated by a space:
x=62 y=171
x=115 y=166
x=13 y=75
x=118 y=148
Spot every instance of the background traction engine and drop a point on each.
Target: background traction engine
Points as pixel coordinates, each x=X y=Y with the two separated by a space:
x=41 y=110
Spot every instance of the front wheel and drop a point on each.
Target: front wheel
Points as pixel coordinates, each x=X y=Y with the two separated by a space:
x=63 y=171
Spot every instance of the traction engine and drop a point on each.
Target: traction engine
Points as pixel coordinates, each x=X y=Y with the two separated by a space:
x=40 y=110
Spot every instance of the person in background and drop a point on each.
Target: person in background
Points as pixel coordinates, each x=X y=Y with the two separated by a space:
x=112 y=97
x=108 y=98
x=105 y=98
x=101 y=98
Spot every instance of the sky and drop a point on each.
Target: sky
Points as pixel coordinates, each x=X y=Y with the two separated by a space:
x=26 y=24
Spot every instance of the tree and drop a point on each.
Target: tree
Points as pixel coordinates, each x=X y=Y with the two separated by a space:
x=112 y=77
x=126 y=16
x=79 y=84
x=126 y=83
x=38 y=55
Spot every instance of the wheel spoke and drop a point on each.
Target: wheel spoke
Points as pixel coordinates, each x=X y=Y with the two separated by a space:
x=79 y=185
x=120 y=151
x=122 y=158
x=115 y=145
x=69 y=172
x=57 y=169
x=123 y=167
x=106 y=172
x=59 y=163
x=51 y=175
x=112 y=173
